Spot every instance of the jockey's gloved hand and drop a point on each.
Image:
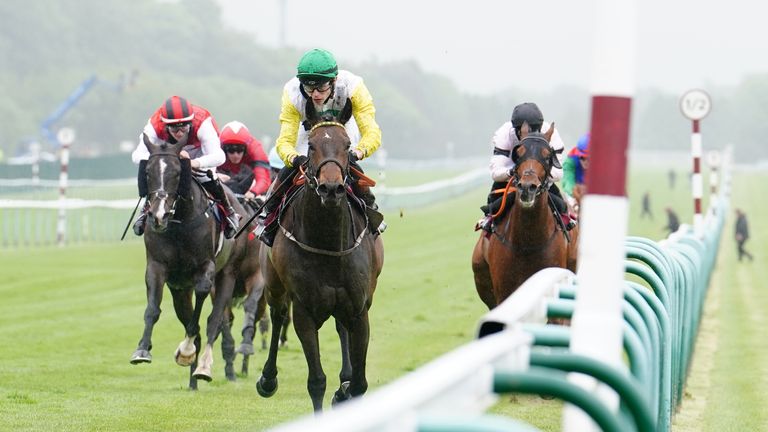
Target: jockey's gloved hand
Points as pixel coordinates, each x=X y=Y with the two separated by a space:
x=353 y=156
x=299 y=160
x=511 y=172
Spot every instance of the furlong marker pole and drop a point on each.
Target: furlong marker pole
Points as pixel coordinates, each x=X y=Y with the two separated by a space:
x=61 y=227
x=597 y=320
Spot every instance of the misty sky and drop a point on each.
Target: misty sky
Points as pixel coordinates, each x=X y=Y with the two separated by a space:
x=481 y=44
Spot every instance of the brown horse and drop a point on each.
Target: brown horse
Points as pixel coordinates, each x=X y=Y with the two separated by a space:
x=186 y=251
x=326 y=263
x=526 y=238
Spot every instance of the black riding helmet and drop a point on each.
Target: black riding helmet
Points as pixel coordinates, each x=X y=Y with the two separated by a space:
x=527 y=112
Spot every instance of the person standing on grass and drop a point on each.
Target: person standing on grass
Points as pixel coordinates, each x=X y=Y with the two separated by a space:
x=646 y=206
x=742 y=234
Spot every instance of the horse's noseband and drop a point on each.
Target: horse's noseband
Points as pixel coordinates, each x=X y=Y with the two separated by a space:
x=311 y=173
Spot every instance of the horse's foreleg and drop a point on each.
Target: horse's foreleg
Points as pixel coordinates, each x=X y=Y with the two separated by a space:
x=154 y=278
x=345 y=375
x=267 y=384
x=359 y=334
x=306 y=329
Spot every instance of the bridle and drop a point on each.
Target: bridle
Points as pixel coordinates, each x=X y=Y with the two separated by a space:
x=311 y=173
x=532 y=145
x=160 y=193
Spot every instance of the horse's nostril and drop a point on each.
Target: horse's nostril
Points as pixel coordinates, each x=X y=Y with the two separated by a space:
x=340 y=190
x=322 y=189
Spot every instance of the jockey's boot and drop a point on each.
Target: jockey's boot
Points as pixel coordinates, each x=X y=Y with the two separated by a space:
x=376 y=224
x=233 y=218
x=138 y=226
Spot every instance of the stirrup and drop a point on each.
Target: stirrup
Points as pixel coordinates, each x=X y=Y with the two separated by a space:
x=382 y=227
x=233 y=224
x=138 y=226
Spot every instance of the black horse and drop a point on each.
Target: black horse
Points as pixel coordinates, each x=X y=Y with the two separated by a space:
x=326 y=262
x=186 y=250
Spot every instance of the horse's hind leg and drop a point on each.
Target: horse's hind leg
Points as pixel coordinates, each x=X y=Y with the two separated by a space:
x=155 y=280
x=228 y=344
x=482 y=274
x=225 y=284
x=345 y=375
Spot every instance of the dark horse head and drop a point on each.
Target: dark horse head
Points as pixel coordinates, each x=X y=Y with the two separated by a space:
x=164 y=180
x=328 y=168
x=534 y=159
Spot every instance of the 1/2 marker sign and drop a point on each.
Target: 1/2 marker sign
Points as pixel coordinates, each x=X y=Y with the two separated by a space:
x=695 y=104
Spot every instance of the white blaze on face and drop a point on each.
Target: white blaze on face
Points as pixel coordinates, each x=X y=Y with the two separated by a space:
x=161 y=206
x=326 y=136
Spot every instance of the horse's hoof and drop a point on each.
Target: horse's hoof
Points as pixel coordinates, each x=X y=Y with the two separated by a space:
x=266 y=390
x=203 y=374
x=185 y=360
x=342 y=394
x=229 y=372
x=245 y=349
x=141 y=356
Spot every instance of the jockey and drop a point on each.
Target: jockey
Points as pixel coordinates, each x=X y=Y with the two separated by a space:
x=501 y=166
x=174 y=120
x=320 y=87
x=575 y=167
x=246 y=170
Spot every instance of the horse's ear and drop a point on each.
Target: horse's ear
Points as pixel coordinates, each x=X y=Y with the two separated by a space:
x=346 y=112
x=524 y=130
x=146 y=140
x=548 y=134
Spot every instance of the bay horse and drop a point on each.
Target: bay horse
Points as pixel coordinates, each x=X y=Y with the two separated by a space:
x=324 y=262
x=186 y=250
x=527 y=237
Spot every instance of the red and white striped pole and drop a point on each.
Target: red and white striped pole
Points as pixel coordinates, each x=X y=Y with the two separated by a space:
x=66 y=137
x=597 y=320
x=695 y=104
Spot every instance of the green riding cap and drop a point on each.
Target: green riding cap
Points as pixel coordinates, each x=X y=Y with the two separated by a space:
x=317 y=66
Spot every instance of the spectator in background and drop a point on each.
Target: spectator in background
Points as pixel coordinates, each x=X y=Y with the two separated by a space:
x=246 y=170
x=672 y=177
x=673 y=222
x=742 y=234
x=646 y=206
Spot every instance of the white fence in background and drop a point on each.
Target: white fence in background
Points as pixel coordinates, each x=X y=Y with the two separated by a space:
x=98 y=210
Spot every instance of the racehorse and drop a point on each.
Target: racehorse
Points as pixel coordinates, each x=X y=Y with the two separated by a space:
x=527 y=237
x=326 y=262
x=186 y=250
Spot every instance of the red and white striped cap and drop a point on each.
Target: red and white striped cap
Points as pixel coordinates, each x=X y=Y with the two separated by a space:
x=176 y=109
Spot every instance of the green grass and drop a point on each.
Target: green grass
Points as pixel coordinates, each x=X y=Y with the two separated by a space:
x=71 y=317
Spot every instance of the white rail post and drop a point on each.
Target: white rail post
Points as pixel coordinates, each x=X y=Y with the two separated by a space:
x=597 y=319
